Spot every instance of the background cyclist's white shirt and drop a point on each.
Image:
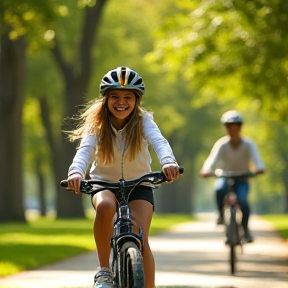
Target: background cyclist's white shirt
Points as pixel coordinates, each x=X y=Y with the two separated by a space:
x=242 y=158
x=131 y=170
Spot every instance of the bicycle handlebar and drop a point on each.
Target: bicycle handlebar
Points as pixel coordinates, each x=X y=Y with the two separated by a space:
x=231 y=174
x=154 y=178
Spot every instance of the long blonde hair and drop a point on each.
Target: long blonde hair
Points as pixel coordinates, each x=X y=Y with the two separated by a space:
x=94 y=119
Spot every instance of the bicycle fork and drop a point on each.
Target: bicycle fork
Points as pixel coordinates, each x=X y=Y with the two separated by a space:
x=122 y=234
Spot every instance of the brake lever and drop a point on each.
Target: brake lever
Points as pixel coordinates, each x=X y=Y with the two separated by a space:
x=160 y=178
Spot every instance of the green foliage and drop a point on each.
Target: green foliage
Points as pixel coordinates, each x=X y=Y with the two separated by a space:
x=229 y=50
x=231 y=55
x=123 y=40
x=31 y=18
x=44 y=81
x=36 y=135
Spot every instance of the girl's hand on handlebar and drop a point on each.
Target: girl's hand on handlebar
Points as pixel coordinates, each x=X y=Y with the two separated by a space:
x=204 y=174
x=171 y=171
x=74 y=181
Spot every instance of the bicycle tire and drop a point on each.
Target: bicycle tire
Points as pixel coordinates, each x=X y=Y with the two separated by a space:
x=113 y=264
x=232 y=259
x=131 y=268
x=233 y=239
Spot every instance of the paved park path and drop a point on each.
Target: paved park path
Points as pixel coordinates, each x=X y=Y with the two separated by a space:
x=189 y=255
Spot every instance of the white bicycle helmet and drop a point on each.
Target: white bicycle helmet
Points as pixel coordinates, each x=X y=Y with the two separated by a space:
x=231 y=116
x=122 y=78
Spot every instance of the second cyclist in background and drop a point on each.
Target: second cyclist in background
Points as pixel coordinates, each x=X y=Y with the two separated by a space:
x=233 y=153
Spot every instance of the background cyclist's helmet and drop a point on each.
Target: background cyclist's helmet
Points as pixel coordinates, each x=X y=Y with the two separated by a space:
x=122 y=78
x=231 y=117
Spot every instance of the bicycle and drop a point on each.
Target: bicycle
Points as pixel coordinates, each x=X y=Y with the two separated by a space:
x=126 y=262
x=232 y=214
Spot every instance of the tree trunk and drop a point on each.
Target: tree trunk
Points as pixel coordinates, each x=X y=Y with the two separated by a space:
x=76 y=85
x=12 y=65
x=41 y=189
x=68 y=205
x=177 y=197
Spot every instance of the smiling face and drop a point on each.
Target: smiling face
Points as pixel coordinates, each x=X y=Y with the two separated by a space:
x=120 y=104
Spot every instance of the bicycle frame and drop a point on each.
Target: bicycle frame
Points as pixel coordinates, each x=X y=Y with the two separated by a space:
x=125 y=244
x=122 y=233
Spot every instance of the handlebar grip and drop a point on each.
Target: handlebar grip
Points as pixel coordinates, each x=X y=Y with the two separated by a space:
x=181 y=169
x=64 y=183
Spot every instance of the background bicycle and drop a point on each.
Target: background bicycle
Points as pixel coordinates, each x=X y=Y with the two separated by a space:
x=126 y=261
x=234 y=233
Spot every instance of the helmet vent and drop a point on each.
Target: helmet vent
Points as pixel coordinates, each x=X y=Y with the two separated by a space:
x=138 y=82
x=114 y=76
x=106 y=79
x=131 y=76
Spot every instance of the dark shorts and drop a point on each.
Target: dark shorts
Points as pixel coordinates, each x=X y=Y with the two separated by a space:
x=140 y=193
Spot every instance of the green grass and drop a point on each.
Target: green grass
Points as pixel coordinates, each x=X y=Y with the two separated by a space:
x=43 y=241
x=27 y=246
x=161 y=223
x=280 y=222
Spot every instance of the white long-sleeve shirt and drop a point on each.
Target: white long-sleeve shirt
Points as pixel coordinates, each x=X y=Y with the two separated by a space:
x=228 y=158
x=131 y=170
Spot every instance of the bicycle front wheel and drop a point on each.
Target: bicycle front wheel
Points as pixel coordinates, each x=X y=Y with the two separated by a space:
x=232 y=258
x=132 y=272
x=232 y=238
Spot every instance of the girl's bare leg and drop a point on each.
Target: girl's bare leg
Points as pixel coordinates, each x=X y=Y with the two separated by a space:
x=142 y=212
x=105 y=205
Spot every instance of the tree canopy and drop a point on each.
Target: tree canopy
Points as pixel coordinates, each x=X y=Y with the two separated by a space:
x=229 y=50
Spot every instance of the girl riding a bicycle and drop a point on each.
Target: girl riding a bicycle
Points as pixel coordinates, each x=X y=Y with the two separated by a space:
x=115 y=132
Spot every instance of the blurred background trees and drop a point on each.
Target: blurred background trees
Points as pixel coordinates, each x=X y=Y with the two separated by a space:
x=235 y=53
x=198 y=60
x=22 y=26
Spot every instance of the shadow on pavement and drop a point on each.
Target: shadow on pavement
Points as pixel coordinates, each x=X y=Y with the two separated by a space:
x=220 y=231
